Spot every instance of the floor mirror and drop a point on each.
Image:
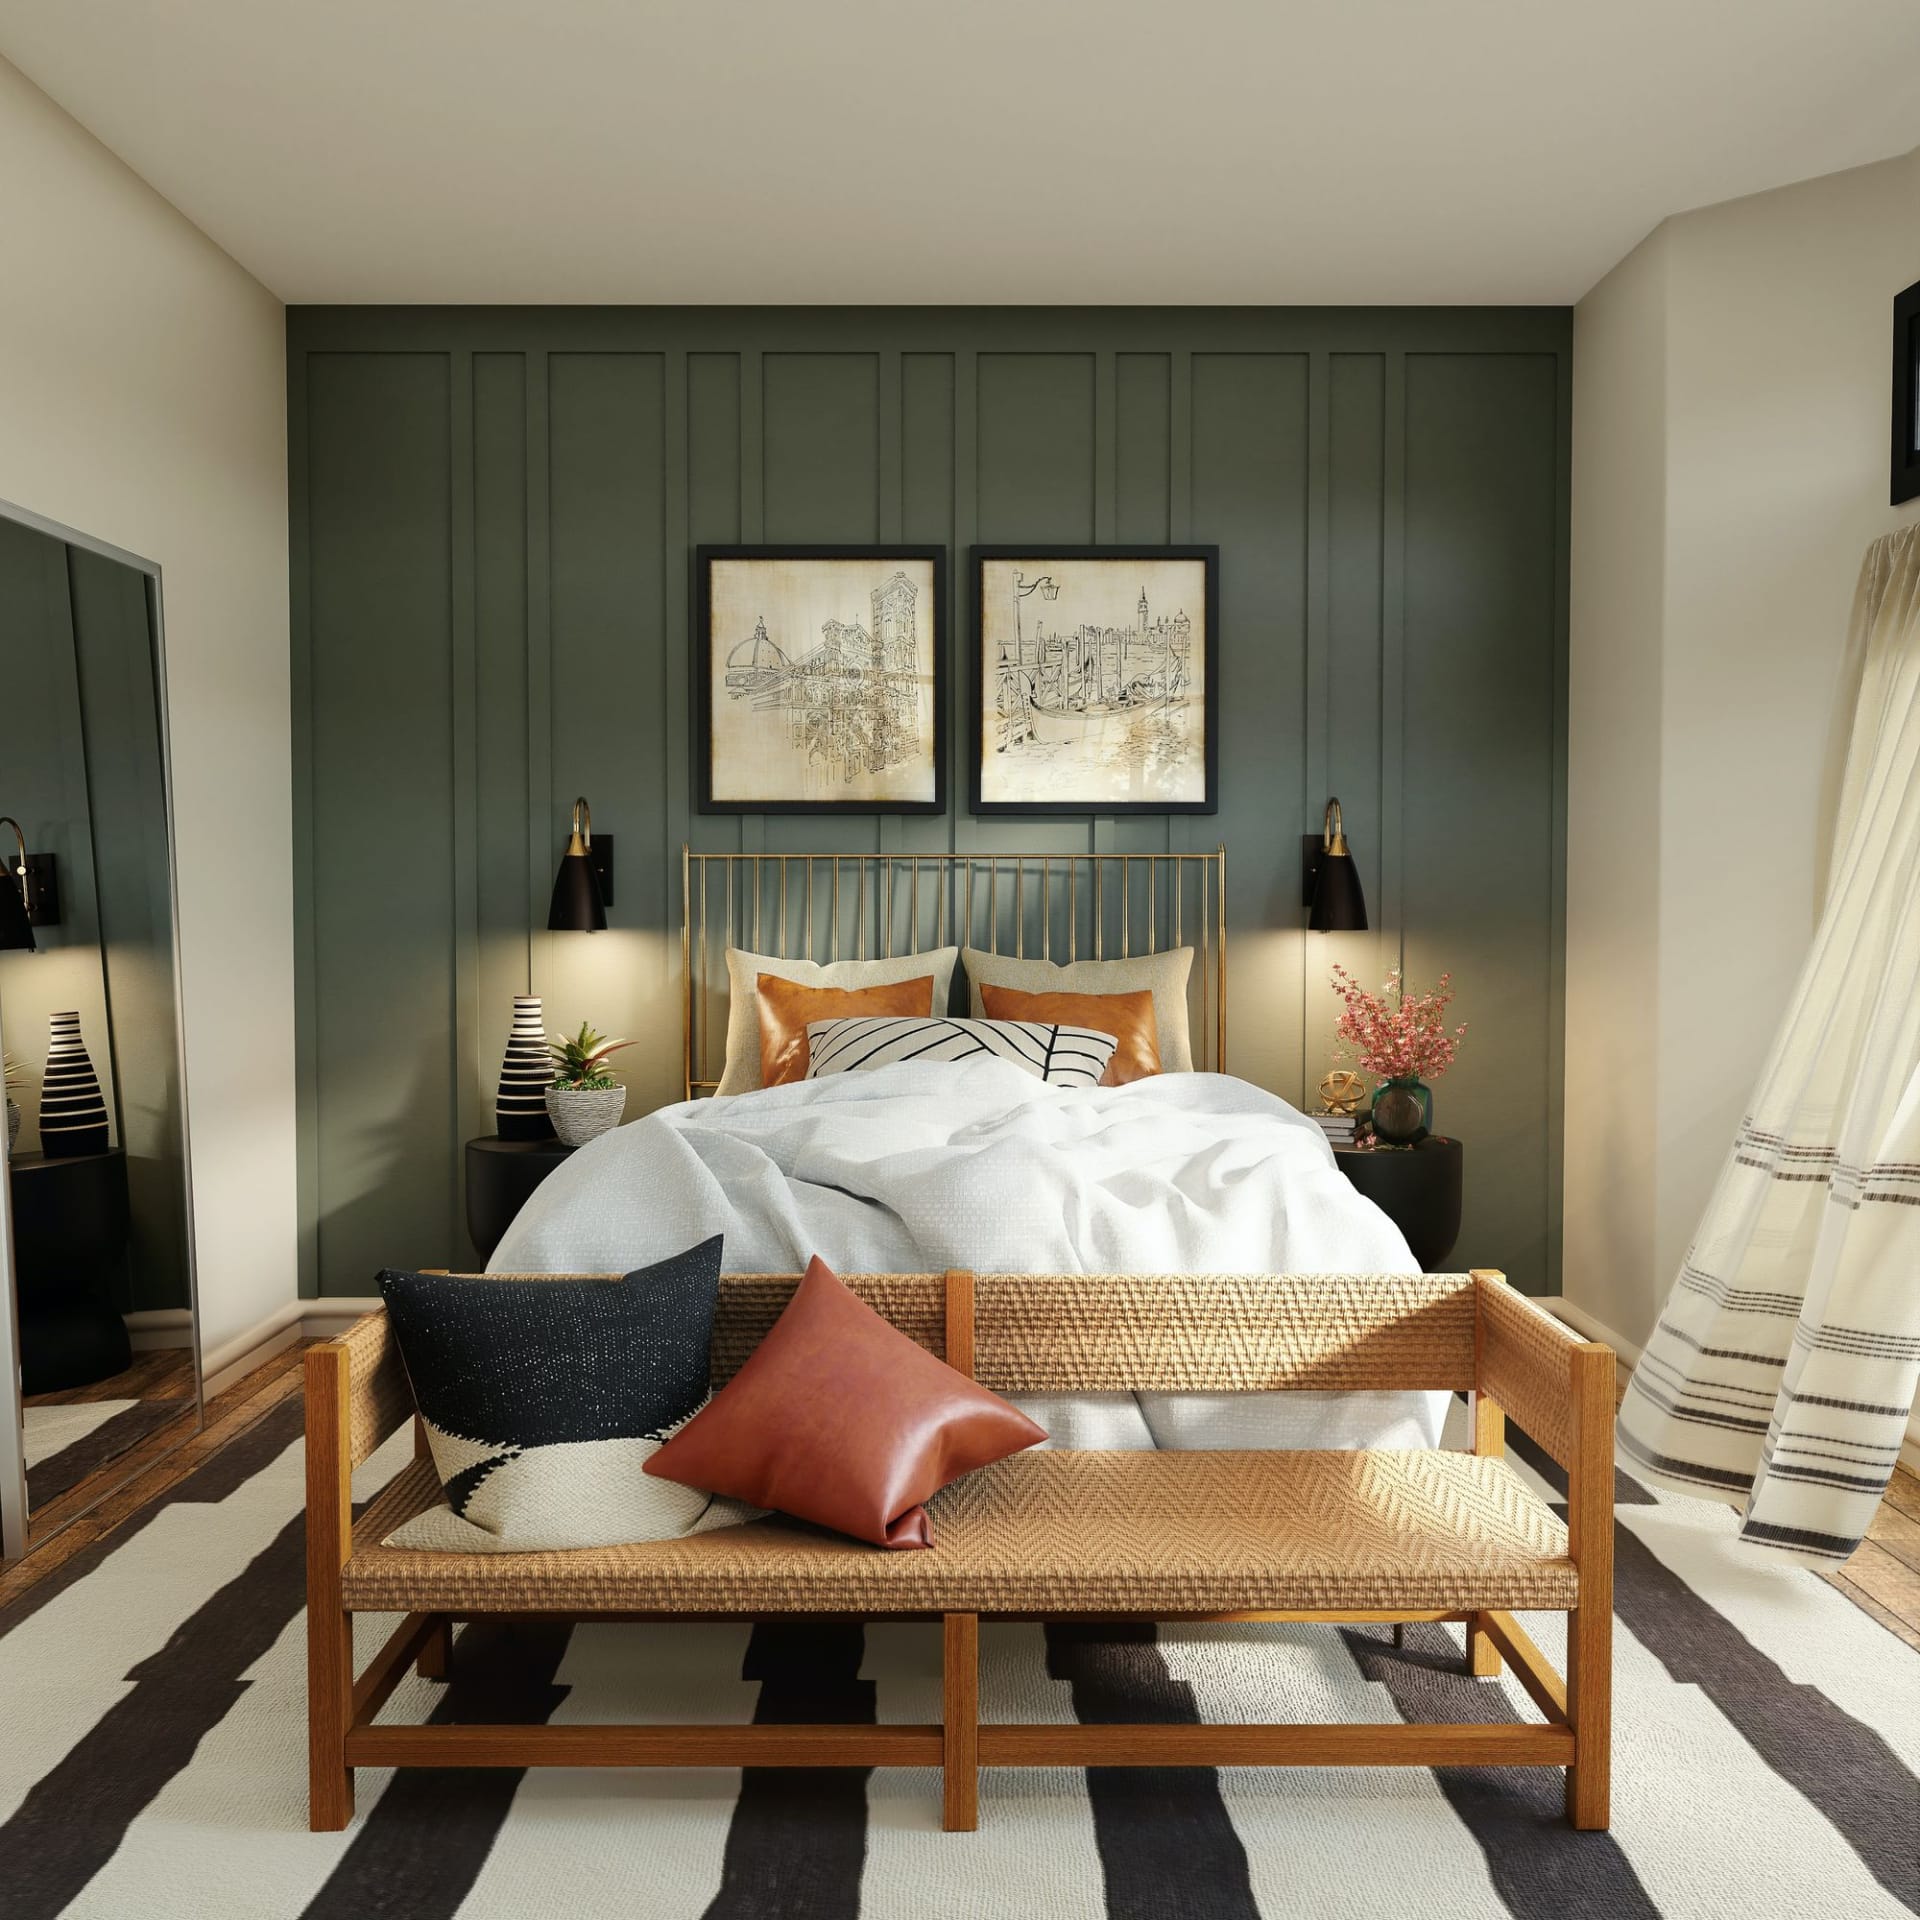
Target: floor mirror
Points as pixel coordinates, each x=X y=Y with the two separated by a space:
x=99 y=1348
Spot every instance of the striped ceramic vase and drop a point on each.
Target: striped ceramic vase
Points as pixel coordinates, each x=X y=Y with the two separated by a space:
x=73 y=1115
x=520 y=1110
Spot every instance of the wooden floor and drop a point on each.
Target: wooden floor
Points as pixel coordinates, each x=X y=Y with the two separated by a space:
x=241 y=1407
x=164 y=1373
x=1882 y=1578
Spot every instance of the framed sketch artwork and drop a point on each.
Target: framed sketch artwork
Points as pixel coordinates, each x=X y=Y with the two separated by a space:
x=820 y=679
x=1096 y=680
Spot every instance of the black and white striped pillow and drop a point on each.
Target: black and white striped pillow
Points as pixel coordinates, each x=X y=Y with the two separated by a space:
x=1061 y=1056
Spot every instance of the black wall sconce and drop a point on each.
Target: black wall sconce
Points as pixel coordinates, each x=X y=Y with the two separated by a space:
x=1329 y=879
x=30 y=895
x=583 y=888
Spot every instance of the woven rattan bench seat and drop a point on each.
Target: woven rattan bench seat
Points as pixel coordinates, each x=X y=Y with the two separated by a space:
x=1054 y=1533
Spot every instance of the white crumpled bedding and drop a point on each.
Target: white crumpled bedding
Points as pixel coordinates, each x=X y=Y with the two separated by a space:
x=923 y=1166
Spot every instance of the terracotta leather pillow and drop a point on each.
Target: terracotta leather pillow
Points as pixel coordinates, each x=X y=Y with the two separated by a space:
x=1127 y=1016
x=837 y=1417
x=786 y=1007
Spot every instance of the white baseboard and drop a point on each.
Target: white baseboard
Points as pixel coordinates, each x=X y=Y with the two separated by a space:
x=154 y=1327
x=1581 y=1321
x=219 y=1379
x=323 y=1319
x=234 y=1359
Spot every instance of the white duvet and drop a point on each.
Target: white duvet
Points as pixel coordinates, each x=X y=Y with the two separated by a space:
x=923 y=1166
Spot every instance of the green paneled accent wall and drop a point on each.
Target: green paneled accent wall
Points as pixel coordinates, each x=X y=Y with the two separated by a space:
x=494 y=512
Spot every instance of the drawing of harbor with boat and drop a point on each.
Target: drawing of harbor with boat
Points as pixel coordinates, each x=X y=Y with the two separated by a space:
x=1092 y=698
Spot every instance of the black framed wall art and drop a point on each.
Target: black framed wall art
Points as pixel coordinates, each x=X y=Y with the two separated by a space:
x=1095 y=680
x=1906 y=395
x=820 y=679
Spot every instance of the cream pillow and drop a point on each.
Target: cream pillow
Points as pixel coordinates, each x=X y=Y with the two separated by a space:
x=741 y=1073
x=1162 y=974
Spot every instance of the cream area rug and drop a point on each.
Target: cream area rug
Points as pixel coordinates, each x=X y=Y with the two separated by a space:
x=1767 y=1739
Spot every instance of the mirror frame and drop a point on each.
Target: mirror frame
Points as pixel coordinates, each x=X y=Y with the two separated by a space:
x=14 y=1517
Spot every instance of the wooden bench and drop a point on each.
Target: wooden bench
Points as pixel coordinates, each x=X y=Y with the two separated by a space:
x=1383 y=1537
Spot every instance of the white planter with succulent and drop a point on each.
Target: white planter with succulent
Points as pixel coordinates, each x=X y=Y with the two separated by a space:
x=585 y=1100
x=14 y=1078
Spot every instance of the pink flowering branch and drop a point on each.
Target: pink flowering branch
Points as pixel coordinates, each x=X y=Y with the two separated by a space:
x=1393 y=1033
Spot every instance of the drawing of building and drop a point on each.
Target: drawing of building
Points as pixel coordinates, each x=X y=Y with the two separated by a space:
x=853 y=703
x=757 y=669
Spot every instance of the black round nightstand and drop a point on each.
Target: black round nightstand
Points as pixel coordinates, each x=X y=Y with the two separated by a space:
x=70 y=1257
x=501 y=1177
x=1417 y=1188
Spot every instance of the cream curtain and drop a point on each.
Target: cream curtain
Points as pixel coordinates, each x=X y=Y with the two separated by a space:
x=1785 y=1360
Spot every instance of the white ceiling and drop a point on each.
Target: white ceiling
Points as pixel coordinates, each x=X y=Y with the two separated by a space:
x=991 y=151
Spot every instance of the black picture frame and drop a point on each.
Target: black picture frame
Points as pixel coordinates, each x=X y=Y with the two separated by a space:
x=1122 y=556
x=1906 y=395
x=703 y=662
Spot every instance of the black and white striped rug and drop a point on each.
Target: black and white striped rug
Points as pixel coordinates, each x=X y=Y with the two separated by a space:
x=68 y=1441
x=152 y=1757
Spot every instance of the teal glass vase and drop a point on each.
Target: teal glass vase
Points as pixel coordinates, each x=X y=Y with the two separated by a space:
x=1402 y=1110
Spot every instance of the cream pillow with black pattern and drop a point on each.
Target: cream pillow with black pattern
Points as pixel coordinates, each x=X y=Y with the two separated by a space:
x=544 y=1399
x=1061 y=1056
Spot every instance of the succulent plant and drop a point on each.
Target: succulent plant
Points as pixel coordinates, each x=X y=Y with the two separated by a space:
x=12 y=1075
x=580 y=1062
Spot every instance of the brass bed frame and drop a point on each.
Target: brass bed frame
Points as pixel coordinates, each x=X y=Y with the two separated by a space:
x=862 y=906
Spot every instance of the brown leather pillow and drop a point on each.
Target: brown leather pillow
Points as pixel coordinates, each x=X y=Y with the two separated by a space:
x=786 y=1007
x=1127 y=1016
x=837 y=1417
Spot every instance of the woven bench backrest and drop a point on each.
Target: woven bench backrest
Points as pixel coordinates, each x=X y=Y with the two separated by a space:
x=1091 y=1333
x=750 y=1303
x=1222 y=1333
x=1158 y=1333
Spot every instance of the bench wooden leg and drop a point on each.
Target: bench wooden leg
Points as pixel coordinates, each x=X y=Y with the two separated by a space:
x=436 y=1651
x=960 y=1764
x=1593 y=1380
x=329 y=1711
x=1483 y=1657
x=1590 y=1711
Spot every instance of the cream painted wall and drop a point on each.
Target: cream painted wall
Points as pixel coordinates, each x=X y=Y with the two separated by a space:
x=143 y=400
x=1730 y=468
x=1613 y=780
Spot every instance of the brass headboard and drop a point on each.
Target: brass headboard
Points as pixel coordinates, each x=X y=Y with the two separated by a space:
x=862 y=906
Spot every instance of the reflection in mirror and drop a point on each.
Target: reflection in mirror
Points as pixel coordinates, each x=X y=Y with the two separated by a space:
x=100 y=1324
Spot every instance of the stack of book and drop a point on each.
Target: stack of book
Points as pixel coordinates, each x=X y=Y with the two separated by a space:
x=1341 y=1129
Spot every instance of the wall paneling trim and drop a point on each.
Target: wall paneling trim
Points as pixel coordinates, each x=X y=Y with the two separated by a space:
x=493 y=518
